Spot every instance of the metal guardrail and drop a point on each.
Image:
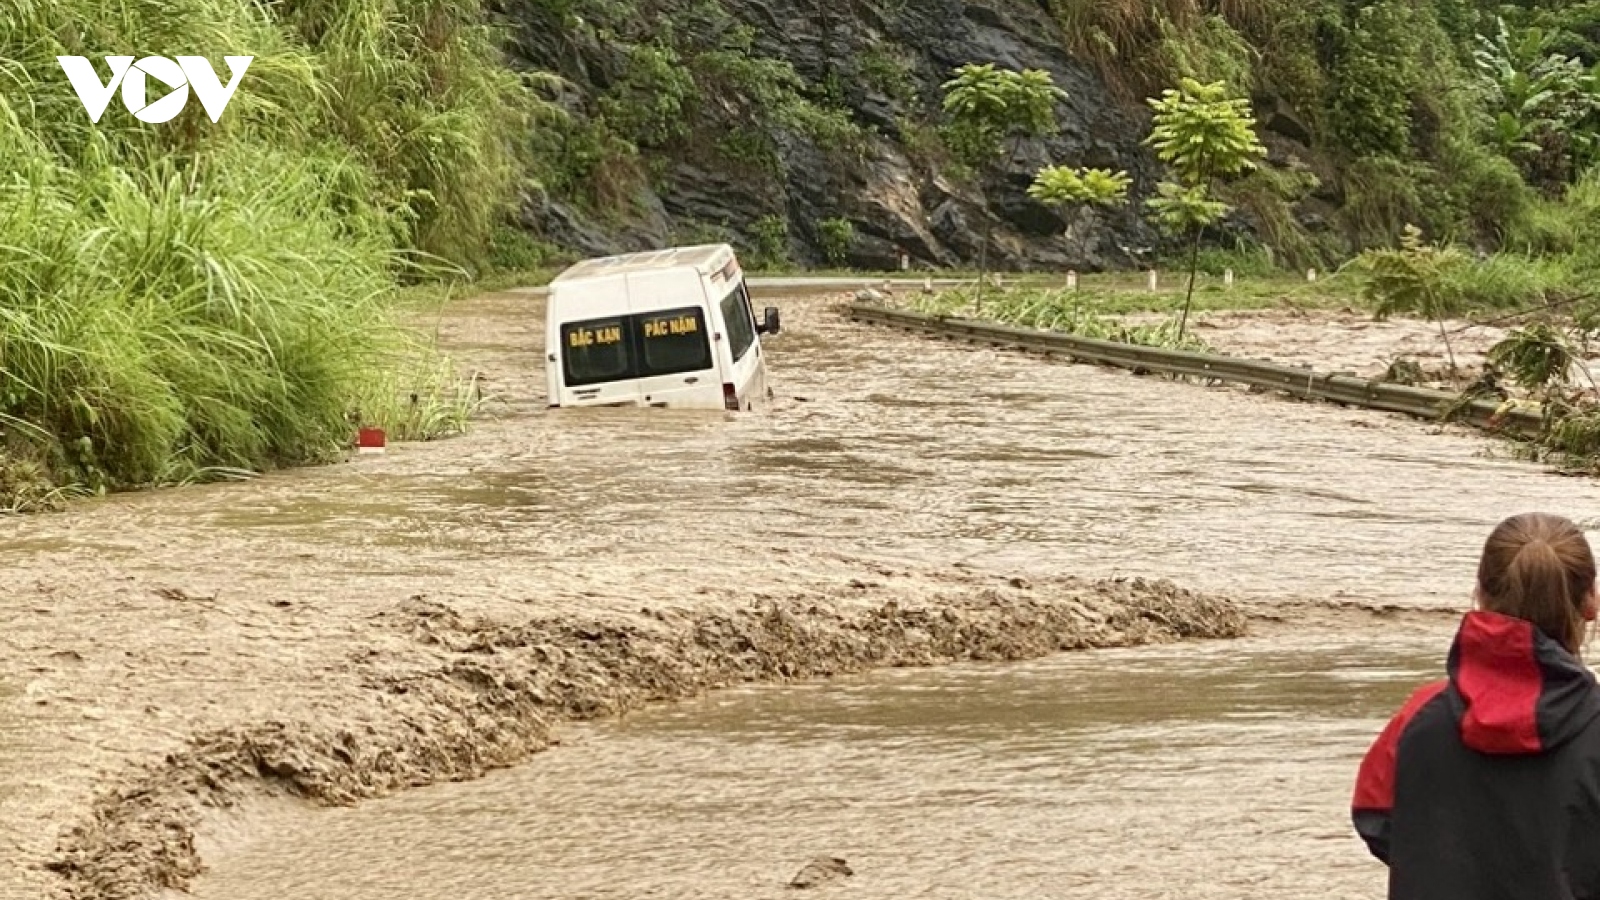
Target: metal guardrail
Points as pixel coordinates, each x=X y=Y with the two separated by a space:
x=1424 y=403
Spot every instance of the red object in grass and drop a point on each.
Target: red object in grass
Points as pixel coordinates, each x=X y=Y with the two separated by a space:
x=370 y=440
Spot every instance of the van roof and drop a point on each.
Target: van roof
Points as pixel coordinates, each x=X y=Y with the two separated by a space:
x=704 y=258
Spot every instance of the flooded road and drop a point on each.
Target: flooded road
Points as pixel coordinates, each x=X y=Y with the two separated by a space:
x=924 y=452
x=1218 y=770
x=137 y=622
x=943 y=452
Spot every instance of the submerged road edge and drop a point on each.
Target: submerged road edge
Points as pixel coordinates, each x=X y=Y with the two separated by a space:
x=476 y=694
x=1495 y=416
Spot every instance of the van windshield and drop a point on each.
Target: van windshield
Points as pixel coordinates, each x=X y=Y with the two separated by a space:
x=621 y=348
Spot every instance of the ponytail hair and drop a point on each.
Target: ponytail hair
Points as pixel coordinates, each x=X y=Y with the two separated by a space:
x=1539 y=568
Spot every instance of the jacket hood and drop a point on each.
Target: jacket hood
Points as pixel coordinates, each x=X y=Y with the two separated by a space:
x=1517 y=690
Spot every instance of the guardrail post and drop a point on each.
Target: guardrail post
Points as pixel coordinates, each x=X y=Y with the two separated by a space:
x=1154 y=279
x=1227 y=278
x=1072 y=281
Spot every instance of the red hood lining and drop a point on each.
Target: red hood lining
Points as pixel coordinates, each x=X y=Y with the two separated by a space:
x=1522 y=692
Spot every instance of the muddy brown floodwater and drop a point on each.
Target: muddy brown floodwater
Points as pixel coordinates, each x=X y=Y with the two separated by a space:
x=1195 y=771
x=425 y=614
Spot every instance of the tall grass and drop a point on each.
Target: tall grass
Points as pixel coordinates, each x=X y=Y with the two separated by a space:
x=156 y=323
x=1568 y=227
x=417 y=87
x=414 y=90
x=1082 y=314
x=201 y=297
x=1140 y=45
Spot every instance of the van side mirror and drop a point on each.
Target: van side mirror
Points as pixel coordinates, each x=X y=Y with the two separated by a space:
x=771 y=324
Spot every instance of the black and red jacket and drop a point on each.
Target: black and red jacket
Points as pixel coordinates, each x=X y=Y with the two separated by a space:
x=1487 y=784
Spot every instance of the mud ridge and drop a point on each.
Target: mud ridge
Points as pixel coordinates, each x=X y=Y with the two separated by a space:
x=449 y=697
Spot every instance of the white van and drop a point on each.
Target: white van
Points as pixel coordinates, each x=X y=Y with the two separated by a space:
x=670 y=328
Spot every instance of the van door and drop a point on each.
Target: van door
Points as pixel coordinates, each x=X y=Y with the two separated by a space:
x=673 y=336
x=590 y=356
x=597 y=362
x=749 y=368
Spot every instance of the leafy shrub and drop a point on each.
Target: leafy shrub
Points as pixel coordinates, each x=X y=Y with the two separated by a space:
x=770 y=236
x=649 y=104
x=1372 y=83
x=885 y=69
x=1538 y=356
x=835 y=236
x=514 y=250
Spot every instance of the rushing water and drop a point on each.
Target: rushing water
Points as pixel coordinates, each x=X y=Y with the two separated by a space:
x=882 y=448
x=1194 y=771
x=881 y=445
x=1200 y=771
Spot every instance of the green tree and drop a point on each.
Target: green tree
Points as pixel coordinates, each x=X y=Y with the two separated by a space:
x=1201 y=134
x=1413 y=279
x=990 y=112
x=1061 y=186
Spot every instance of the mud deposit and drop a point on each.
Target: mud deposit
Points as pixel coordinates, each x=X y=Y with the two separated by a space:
x=428 y=614
x=1352 y=341
x=1211 y=771
x=491 y=691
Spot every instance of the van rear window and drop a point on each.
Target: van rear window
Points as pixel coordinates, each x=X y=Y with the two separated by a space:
x=596 y=351
x=673 y=341
x=625 y=347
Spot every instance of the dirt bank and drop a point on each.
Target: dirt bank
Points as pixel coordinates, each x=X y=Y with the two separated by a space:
x=438 y=695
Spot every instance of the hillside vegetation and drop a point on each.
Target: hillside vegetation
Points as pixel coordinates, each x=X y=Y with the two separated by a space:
x=191 y=298
x=1470 y=119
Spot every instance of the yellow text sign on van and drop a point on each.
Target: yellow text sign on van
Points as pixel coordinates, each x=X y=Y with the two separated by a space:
x=588 y=337
x=669 y=327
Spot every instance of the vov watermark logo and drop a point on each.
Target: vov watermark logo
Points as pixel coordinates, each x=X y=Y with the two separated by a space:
x=187 y=72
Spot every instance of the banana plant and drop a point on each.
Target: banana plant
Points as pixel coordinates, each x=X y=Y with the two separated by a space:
x=1538 y=93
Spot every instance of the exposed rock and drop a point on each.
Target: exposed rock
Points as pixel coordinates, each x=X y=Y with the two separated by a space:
x=893 y=200
x=1279 y=117
x=646 y=229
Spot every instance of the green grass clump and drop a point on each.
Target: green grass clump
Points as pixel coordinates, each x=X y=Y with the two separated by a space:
x=413 y=93
x=194 y=299
x=1070 y=312
x=1445 y=281
x=1508 y=281
x=1123 y=293
x=151 y=328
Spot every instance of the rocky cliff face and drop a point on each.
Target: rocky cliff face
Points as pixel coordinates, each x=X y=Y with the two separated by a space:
x=892 y=192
